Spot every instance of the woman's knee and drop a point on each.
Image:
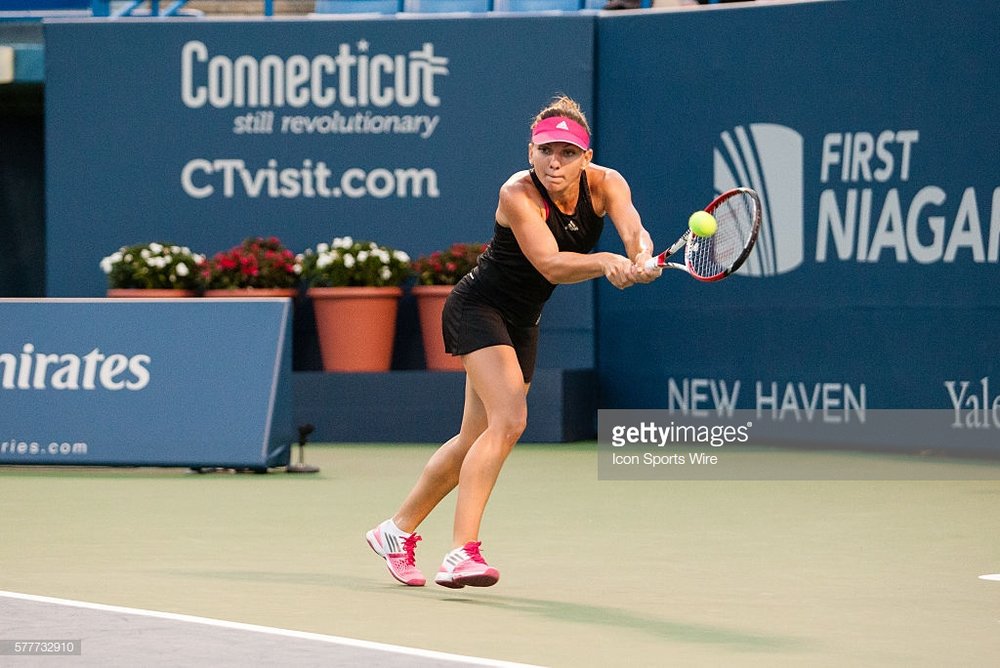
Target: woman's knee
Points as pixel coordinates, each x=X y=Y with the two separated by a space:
x=510 y=426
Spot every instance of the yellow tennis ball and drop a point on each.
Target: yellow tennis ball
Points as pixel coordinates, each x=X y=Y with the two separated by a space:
x=703 y=224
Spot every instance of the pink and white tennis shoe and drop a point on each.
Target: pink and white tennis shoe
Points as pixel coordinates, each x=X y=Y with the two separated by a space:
x=397 y=549
x=466 y=566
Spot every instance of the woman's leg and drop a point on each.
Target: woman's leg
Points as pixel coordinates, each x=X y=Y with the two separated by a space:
x=493 y=419
x=395 y=539
x=441 y=473
x=497 y=381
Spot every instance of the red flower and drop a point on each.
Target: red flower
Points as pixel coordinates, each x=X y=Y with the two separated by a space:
x=255 y=263
x=449 y=266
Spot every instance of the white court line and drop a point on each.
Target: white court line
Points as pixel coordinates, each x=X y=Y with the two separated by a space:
x=269 y=630
x=991 y=576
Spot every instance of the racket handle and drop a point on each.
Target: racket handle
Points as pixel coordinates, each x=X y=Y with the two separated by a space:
x=649 y=264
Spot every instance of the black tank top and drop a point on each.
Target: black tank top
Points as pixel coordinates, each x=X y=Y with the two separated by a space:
x=508 y=280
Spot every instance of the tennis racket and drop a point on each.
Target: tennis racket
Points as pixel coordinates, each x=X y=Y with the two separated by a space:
x=713 y=258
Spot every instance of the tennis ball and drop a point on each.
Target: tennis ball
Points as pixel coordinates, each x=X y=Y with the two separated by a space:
x=702 y=223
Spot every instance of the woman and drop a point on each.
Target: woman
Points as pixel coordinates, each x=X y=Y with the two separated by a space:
x=548 y=220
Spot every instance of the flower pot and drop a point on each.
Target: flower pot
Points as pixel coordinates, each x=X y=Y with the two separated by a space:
x=356 y=327
x=150 y=293
x=244 y=293
x=430 y=304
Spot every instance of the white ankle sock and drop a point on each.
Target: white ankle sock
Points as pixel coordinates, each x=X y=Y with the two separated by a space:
x=389 y=526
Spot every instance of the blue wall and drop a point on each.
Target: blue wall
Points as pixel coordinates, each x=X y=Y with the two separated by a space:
x=892 y=301
x=866 y=126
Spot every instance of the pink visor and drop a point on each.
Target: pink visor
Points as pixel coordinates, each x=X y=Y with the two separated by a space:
x=560 y=128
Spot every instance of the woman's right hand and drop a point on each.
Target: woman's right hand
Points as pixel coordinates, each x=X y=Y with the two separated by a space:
x=618 y=269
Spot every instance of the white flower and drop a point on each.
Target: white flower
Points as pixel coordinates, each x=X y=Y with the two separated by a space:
x=343 y=242
x=401 y=256
x=324 y=260
x=322 y=248
x=182 y=270
x=349 y=261
x=386 y=273
x=156 y=248
x=108 y=263
x=362 y=256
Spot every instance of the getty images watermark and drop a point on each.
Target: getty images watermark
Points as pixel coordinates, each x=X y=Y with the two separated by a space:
x=646 y=445
x=651 y=433
x=776 y=445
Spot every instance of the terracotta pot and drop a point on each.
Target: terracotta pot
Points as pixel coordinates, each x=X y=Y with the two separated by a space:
x=356 y=327
x=244 y=293
x=430 y=304
x=151 y=293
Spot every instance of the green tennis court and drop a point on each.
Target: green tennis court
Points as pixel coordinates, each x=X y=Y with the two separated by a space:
x=594 y=573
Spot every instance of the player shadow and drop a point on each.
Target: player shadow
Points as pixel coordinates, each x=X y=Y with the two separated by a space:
x=562 y=611
x=606 y=616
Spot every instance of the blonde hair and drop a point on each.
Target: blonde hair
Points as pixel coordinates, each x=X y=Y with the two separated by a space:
x=565 y=106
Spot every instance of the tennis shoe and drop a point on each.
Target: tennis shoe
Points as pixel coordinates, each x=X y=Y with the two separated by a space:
x=466 y=566
x=398 y=551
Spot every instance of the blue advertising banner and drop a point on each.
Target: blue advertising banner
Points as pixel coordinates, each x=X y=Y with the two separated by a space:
x=204 y=132
x=875 y=146
x=177 y=382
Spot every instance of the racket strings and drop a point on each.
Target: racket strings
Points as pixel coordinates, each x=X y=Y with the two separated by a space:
x=716 y=255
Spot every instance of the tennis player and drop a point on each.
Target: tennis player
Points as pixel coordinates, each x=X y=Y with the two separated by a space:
x=548 y=220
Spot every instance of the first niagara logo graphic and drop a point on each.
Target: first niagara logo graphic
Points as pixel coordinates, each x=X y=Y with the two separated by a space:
x=875 y=196
x=767 y=158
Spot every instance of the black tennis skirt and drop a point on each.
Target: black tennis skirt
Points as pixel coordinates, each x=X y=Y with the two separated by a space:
x=469 y=323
